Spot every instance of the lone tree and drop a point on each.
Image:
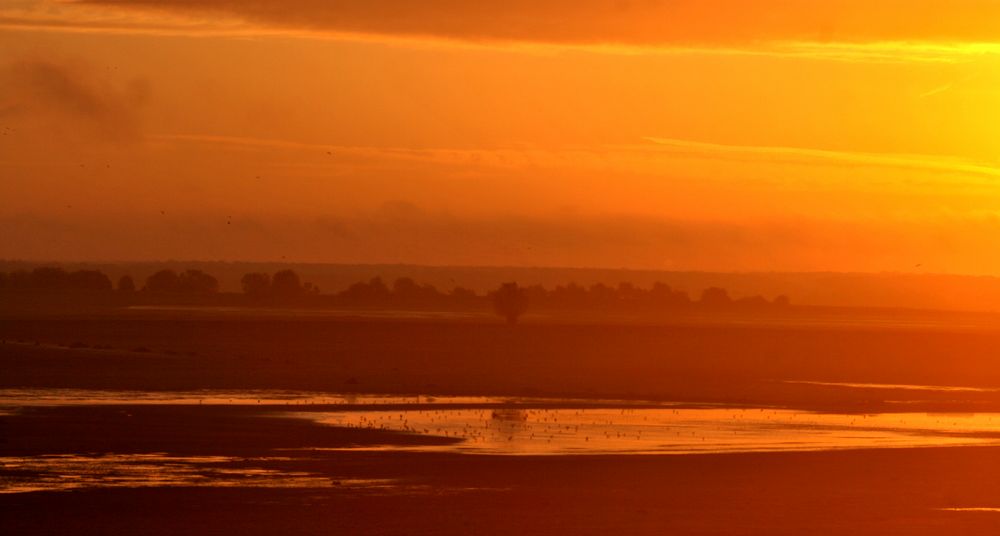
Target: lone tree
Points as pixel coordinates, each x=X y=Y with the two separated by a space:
x=197 y=282
x=286 y=285
x=715 y=297
x=162 y=281
x=510 y=301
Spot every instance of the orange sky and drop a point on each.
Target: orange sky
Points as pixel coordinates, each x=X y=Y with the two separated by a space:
x=709 y=134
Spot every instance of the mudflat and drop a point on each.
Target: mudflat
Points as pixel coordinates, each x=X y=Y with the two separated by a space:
x=735 y=364
x=128 y=468
x=881 y=491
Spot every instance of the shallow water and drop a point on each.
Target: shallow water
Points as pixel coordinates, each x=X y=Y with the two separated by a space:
x=513 y=429
x=483 y=425
x=68 y=472
x=12 y=398
x=898 y=386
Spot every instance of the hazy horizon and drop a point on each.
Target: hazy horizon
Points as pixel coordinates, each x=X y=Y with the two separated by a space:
x=949 y=292
x=836 y=138
x=533 y=267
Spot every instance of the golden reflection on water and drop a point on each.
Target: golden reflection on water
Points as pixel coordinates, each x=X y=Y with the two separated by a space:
x=481 y=425
x=65 y=472
x=215 y=397
x=898 y=386
x=71 y=471
x=669 y=430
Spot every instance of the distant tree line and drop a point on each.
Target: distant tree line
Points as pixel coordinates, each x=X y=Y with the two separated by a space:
x=53 y=278
x=406 y=293
x=285 y=287
x=628 y=296
x=171 y=282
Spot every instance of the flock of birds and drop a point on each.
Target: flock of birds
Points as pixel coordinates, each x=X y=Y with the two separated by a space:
x=493 y=425
x=513 y=428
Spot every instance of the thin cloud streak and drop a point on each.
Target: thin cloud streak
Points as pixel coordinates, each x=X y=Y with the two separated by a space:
x=677 y=22
x=228 y=20
x=60 y=95
x=942 y=164
x=404 y=233
x=591 y=155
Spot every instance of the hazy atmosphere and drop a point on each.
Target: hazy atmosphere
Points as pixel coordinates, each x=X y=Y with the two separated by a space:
x=484 y=267
x=763 y=135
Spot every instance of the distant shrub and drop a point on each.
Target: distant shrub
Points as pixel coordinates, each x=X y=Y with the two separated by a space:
x=162 y=281
x=187 y=282
x=715 y=297
x=510 y=301
x=286 y=285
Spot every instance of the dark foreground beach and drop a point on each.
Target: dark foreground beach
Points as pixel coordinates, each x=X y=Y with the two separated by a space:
x=879 y=491
x=734 y=363
x=249 y=468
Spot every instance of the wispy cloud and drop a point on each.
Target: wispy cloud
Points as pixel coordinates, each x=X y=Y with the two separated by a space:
x=622 y=157
x=677 y=22
x=879 y=31
x=808 y=156
x=60 y=94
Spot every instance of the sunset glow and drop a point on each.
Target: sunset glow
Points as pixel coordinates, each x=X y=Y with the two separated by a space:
x=499 y=267
x=766 y=135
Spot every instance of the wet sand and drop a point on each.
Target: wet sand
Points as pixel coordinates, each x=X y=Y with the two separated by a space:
x=739 y=365
x=889 y=491
x=866 y=491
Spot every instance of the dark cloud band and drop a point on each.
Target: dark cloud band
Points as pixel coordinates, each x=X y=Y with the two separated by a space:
x=629 y=22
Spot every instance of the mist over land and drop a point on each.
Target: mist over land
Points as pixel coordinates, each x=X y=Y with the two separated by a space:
x=885 y=290
x=484 y=267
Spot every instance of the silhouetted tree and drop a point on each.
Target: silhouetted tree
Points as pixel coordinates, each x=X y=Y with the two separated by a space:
x=310 y=289
x=197 y=282
x=256 y=285
x=377 y=289
x=463 y=294
x=49 y=277
x=405 y=291
x=781 y=301
x=126 y=284
x=370 y=293
x=537 y=294
x=88 y=280
x=19 y=279
x=601 y=294
x=715 y=297
x=55 y=278
x=404 y=287
x=162 y=281
x=628 y=292
x=510 y=301
x=286 y=285
x=662 y=295
x=572 y=296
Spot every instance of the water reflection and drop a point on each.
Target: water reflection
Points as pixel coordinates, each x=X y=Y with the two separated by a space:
x=482 y=425
x=264 y=397
x=898 y=386
x=68 y=472
x=511 y=429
